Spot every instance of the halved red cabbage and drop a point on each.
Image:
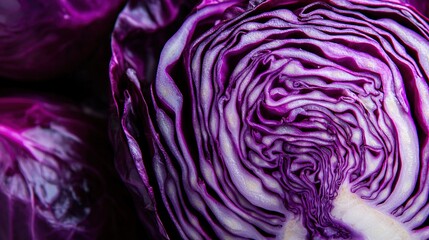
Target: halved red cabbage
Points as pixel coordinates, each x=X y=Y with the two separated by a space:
x=282 y=120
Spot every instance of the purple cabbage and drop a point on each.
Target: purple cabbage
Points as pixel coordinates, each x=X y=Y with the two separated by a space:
x=44 y=39
x=56 y=175
x=293 y=119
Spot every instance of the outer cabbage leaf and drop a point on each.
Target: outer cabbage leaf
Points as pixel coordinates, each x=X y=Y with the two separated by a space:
x=141 y=31
x=56 y=175
x=43 y=39
x=283 y=120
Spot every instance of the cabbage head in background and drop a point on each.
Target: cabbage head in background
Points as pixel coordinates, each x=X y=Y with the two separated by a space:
x=55 y=176
x=293 y=119
x=42 y=39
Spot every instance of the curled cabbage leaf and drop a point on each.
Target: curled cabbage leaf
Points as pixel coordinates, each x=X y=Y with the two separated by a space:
x=141 y=31
x=283 y=120
x=56 y=174
x=44 y=39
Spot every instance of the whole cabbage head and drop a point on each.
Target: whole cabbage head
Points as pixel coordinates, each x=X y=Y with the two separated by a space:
x=44 y=39
x=56 y=179
x=282 y=120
